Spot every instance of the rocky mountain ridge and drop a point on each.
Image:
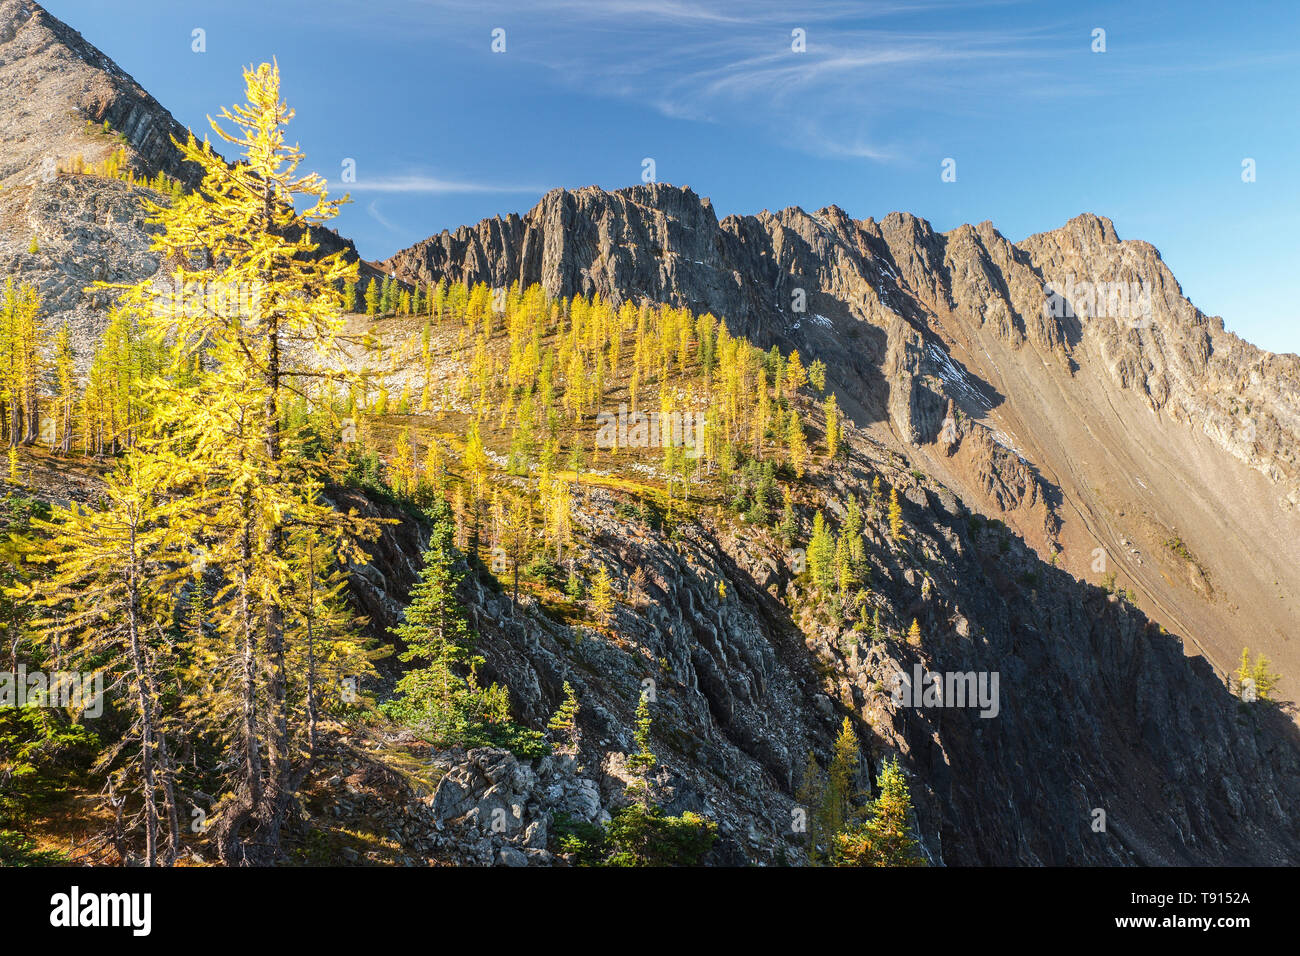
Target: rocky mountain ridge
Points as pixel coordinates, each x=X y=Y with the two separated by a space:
x=1072 y=345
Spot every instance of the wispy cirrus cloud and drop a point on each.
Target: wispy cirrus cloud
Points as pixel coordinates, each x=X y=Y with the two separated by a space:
x=858 y=66
x=373 y=210
x=876 y=79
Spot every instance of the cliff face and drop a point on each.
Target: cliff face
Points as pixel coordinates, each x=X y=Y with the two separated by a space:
x=817 y=279
x=1102 y=410
x=1095 y=707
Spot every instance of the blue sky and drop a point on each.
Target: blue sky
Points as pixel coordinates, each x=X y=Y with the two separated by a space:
x=1152 y=132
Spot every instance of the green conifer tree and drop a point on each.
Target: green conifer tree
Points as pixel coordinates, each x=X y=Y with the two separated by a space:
x=644 y=760
x=436 y=634
x=811 y=796
x=788 y=525
x=563 y=724
x=885 y=839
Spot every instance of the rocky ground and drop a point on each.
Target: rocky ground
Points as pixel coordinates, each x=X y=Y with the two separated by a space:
x=381 y=798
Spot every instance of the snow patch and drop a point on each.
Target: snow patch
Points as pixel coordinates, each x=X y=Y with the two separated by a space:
x=1006 y=442
x=957 y=379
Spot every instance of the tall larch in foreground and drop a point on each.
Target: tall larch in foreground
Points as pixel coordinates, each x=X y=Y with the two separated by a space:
x=245 y=232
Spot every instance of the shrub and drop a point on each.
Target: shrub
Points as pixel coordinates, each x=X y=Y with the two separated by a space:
x=645 y=837
x=524 y=743
x=586 y=844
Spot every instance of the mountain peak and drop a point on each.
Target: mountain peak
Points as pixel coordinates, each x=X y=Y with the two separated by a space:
x=62 y=97
x=665 y=197
x=1085 y=227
